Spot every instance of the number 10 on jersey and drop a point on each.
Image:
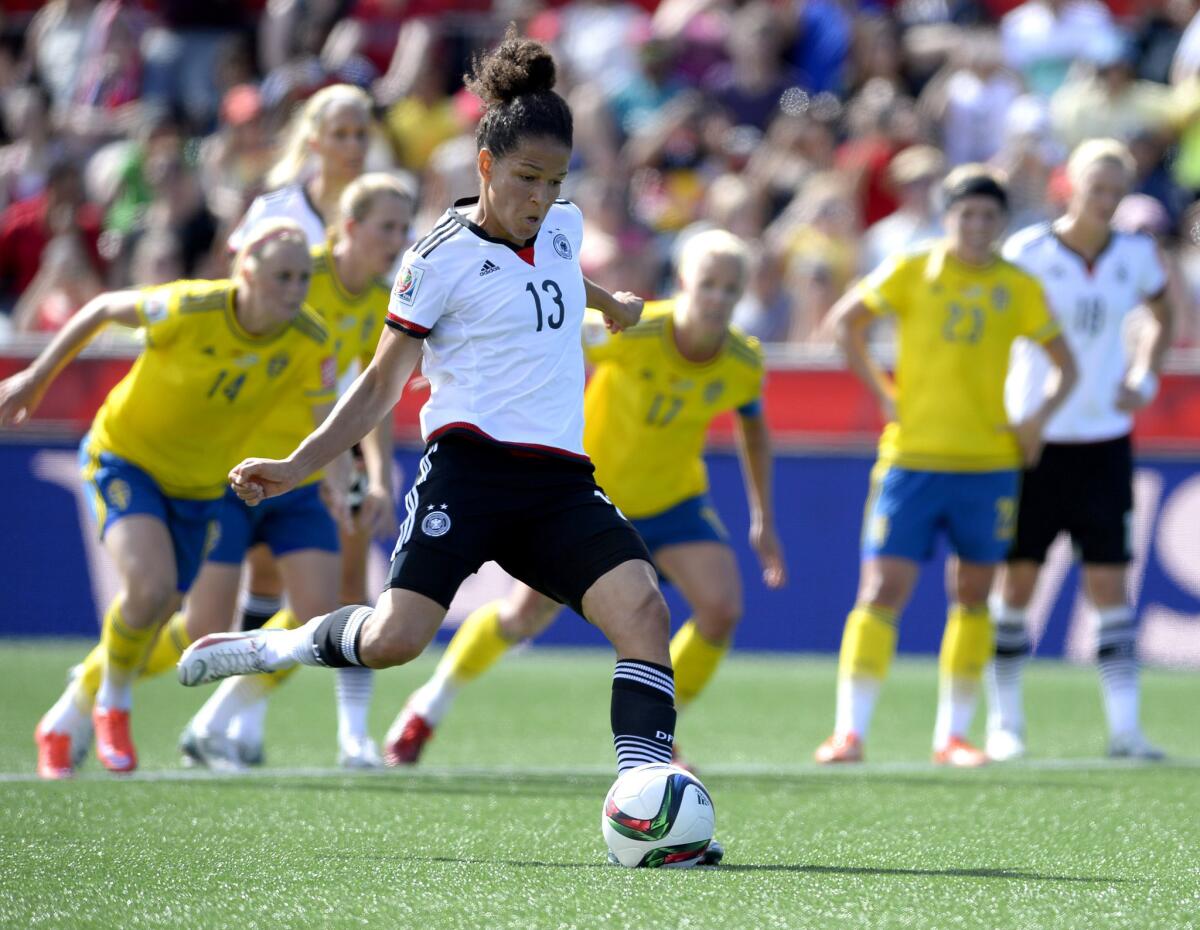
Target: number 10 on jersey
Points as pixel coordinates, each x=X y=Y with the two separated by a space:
x=556 y=317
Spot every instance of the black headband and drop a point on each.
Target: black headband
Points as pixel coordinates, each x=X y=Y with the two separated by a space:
x=977 y=185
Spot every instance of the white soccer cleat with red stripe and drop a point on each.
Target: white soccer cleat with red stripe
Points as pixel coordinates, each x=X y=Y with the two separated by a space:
x=222 y=655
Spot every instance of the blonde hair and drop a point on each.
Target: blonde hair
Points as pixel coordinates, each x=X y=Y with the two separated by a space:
x=361 y=193
x=305 y=125
x=713 y=242
x=1092 y=151
x=260 y=236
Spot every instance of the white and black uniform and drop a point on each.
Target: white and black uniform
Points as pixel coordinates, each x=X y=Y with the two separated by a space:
x=1084 y=481
x=504 y=476
x=291 y=202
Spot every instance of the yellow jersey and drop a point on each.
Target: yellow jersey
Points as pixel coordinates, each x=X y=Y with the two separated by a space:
x=647 y=409
x=203 y=385
x=955 y=326
x=354 y=322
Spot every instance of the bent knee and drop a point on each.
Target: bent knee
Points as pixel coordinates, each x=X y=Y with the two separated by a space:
x=380 y=647
x=717 y=618
x=148 y=600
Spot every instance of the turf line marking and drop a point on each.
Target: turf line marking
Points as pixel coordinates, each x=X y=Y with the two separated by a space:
x=729 y=770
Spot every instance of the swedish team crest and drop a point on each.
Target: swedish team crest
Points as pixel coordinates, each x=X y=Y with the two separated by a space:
x=562 y=245
x=277 y=364
x=119 y=495
x=436 y=523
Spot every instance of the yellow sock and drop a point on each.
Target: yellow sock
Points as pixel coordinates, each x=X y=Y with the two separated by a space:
x=476 y=646
x=868 y=643
x=967 y=644
x=88 y=682
x=172 y=640
x=695 y=659
x=284 y=619
x=124 y=648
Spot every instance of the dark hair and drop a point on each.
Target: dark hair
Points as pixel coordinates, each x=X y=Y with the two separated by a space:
x=516 y=83
x=974 y=181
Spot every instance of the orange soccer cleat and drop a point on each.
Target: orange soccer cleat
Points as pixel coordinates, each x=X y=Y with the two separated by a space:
x=53 y=754
x=114 y=748
x=841 y=747
x=960 y=754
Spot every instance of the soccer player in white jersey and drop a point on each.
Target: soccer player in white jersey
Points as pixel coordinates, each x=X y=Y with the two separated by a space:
x=1095 y=277
x=492 y=302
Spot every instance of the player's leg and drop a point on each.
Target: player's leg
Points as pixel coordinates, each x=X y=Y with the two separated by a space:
x=980 y=517
x=1009 y=604
x=899 y=522
x=707 y=576
x=967 y=646
x=262 y=598
x=484 y=636
x=1040 y=518
x=354 y=686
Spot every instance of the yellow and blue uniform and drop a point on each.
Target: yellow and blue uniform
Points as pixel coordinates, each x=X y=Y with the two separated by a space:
x=299 y=520
x=950 y=461
x=166 y=436
x=647 y=410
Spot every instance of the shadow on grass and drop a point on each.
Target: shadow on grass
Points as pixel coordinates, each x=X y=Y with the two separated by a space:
x=490 y=786
x=799 y=868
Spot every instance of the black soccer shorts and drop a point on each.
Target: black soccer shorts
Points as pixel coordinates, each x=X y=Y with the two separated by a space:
x=540 y=516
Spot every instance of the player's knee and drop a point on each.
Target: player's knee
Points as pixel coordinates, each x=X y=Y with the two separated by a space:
x=883 y=591
x=148 y=599
x=526 y=620
x=717 y=617
x=383 y=645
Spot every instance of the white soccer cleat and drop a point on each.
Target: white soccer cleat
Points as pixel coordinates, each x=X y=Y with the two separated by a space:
x=1005 y=745
x=221 y=655
x=1134 y=745
x=359 y=753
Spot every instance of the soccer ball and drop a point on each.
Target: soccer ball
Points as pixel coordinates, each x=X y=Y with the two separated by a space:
x=658 y=815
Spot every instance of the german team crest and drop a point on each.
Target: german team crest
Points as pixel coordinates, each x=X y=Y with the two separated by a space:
x=436 y=523
x=562 y=245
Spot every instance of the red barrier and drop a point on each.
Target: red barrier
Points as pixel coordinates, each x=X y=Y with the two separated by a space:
x=805 y=407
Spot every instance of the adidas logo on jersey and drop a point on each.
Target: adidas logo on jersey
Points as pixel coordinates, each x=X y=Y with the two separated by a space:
x=488 y=267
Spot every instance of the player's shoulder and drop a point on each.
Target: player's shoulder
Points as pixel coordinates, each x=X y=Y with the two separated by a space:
x=309 y=325
x=1029 y=239
x=194 y=296
x=655 y=315
x=1138 y=244
x=745 y=349
x=914 y=259
x=321 y=260
x=431 y=249
x=565 y=210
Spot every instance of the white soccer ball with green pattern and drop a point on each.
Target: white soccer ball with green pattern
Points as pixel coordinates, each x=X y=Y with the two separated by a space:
x=658 y=816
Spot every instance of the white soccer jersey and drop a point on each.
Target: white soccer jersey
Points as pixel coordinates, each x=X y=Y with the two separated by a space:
x=291 y=202
x=501 y=326
x=1091 y=304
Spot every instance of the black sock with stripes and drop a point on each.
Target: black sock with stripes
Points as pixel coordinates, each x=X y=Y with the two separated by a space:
x=335 y=639
x=643 y=713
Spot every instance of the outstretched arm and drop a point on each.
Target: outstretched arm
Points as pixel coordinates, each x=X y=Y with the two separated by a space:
x=754 y=450
x=21 y=393
x=621 y=310
x=371 y=397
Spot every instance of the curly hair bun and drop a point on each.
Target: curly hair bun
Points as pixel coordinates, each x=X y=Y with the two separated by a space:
x=516 y=68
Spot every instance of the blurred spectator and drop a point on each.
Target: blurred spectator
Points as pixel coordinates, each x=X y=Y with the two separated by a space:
x=133 y=192
x=1157 y=38
x=874 y=54
x=28 y=226
x=326 y=53
x=425 y=117
x=24 y=161
x=597 y=39
x=651 y=86
x=178 y=210
x=618 y=253
x=914 y=174
x=64 y=282
x=753 y=82
x=880 y=123
x=1028 y=157
x=1042 y=38
x=1109 y=101
x=157 y=259
x=819 y=44
x=969 y=97
x=796 y=145
x=1188 y=263
x=54 y=45
x=1149 y=150
x=235 y=159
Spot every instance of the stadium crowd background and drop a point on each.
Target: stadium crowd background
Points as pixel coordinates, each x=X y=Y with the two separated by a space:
x=136 y=132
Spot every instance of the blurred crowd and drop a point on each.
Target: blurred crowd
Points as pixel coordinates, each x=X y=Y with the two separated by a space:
x=136 y=132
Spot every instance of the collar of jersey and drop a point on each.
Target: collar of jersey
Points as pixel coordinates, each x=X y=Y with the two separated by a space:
x=672 y=347
x=479 y=231
x=1092 y=265
x=943 y=255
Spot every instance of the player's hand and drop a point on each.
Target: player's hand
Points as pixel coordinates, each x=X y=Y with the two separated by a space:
x=19 y=396
x=254 y=480
x=377 y=514
x=1029 y=438
x=624 y=311
x=766 y=544
x=1130 y=400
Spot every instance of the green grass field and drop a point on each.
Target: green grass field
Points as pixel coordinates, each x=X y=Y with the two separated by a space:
x=500 y=829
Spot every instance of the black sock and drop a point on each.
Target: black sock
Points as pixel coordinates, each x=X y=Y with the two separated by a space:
x=643 y=713
x=257 y=609
x=335 y=640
